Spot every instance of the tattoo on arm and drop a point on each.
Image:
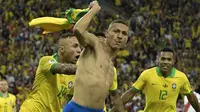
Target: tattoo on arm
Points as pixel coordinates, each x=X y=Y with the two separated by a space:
x=64 y=68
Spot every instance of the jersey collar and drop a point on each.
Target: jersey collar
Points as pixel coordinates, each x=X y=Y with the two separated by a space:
x=1 y=95
x=55 y=56
x=171 y=74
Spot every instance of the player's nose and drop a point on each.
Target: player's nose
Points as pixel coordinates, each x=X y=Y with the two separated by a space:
x=119 y=36
x=78 y=50
x=166 y=62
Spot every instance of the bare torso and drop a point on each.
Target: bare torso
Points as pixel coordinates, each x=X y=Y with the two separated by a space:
x=94 y=77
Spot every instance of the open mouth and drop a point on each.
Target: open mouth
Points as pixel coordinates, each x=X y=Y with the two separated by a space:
x=77 y=57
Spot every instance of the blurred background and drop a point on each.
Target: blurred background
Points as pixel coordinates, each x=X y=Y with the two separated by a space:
x=154 y=24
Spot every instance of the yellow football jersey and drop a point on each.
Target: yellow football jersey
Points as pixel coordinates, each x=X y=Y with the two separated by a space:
x=161 y=92
x=66 y=89
x=114 y=84
x=7 y=103
x=45 y=88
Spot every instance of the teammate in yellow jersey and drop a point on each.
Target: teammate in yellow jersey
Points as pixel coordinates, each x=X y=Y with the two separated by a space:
x=66 y=89
x=43 y=97
x=7 y=100
x=162 y=85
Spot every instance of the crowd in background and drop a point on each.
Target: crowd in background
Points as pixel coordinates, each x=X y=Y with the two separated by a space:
x=154 y=24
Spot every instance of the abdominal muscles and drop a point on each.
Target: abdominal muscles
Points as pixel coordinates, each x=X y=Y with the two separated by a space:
x=91 y=87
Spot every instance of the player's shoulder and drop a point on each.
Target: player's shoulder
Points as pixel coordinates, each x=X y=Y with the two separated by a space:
x=11 y=96
x=179 y=73
x=49 y=59
x=46 y=57
x=150 y=70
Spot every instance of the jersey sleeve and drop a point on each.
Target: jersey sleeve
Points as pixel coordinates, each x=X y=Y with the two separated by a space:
x=186 y=88
x=114 y=84
x=47 y=63
x=139 y=84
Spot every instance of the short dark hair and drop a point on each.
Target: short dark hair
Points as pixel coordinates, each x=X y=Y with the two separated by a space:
x=66 y=35
x=167 y=49
x=119 y=21
x=63 y=36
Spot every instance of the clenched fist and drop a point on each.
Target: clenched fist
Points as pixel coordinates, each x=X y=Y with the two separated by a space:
x=95 y=6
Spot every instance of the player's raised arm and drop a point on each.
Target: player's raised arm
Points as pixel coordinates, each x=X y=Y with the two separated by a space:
x=85 y=38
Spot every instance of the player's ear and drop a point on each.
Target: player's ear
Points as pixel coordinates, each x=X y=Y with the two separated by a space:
x=175 y=60
x=61 y=49
x=174 y=63
x=106 y=33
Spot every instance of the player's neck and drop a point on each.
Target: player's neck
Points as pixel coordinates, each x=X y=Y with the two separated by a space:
x=110 y=51
x=4 y=94
x=167 y=73
x=60 y=59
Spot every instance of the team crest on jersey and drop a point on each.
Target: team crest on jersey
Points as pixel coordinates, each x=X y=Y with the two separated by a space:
x=52 y=61
x=173 y=86
x=10 y=102
x=70 y=84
